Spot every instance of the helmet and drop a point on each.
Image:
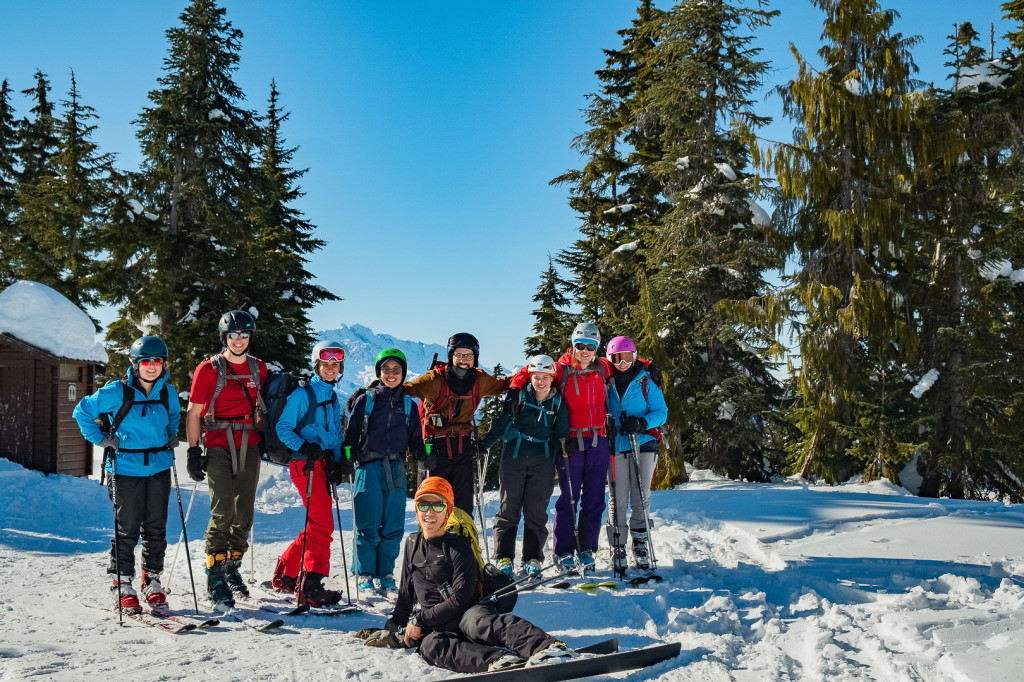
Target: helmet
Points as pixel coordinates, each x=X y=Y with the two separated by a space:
x=620 y=344
x=147 y=347
x=320 y=347
x=236 y=321
x=391 y=354
x=585 y=332
x=435 y=485
x=542 y=364
x=464 y=340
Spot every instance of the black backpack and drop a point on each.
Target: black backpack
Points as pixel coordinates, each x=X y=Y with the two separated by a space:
x=279 y=387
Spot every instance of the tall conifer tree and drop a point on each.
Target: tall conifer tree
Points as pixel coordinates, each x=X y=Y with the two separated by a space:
x=8 y=178
x=553 y=323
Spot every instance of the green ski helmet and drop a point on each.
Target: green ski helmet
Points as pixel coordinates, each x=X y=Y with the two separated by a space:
x=147 y=347
x=391 y=354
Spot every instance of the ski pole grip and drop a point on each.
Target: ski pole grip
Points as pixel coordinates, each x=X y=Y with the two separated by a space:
x=348 y=452
x=428 y=447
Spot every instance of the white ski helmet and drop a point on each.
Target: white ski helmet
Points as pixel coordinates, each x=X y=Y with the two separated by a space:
x=542 y=364
x=586 y=332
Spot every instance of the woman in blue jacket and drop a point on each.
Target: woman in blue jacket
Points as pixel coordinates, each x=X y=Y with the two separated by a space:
x=136 y=421
x=379 y=438
x=636 y=404
x=316 y=465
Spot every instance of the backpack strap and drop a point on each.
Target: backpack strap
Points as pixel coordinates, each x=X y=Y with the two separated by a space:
x=127 y=402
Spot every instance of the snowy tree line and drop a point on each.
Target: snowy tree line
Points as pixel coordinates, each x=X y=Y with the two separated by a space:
x=206 y=223
x=875 y=319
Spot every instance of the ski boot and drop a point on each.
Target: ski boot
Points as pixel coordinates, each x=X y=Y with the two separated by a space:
x=365 y=582
x=216 y=581
x=532 y=568
x=640 y=555
x=128 y=601
x=555 y=653
x=313 y=592
x=587 y=560
x=619 y=562
x=505 y=566
x=567 y=562
x=386 y=586
x=154 y=593
x=281 y=582
x=234 y=576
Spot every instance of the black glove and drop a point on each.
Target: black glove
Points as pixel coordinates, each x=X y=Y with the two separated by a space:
x=428 y=462
x=311 y=451
x=195 y=465
x=172 y=444
x=633 y=425
x=340 y=470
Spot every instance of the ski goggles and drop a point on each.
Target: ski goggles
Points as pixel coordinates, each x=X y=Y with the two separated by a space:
x=438 y=506
x=239 y=335
x=146 y=362
x=624 y=358
x=328 y=354
x=586 y=346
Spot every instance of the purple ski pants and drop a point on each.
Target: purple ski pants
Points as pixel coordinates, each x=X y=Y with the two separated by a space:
x=588 y=471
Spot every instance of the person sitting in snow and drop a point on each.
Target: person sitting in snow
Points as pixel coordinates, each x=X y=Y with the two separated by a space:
x=383 y=431
x=451 y=630
x=136 y=421
x=316 y=464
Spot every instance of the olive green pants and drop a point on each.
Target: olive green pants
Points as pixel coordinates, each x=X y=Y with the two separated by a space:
x=232 y=499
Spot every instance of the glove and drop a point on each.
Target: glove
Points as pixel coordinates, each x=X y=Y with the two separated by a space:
x=481 y=450
x=173 y=443
x=380 y=638
x=633 y=425
x=610 y=426
x=311 y=451
x=428 y=462
x=195 y=465
x=340 y=469
x=111 y=441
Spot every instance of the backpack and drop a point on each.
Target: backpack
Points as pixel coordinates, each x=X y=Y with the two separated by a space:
x=491 y=578
x=517 y=410
x=279 y=387
x=110 y=424
x=434 y=422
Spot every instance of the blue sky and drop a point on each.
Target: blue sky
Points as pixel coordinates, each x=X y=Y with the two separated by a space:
x=430 y=129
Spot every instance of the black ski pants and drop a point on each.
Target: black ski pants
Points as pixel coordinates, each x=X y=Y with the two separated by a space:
x=525 y=487
x=140 y=509
x=458 y=471
x=482 y=637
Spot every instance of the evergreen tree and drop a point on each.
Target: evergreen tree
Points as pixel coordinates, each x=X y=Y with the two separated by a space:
x=8 y=178
x=187 y=254
x=64 y=213
x=278 y=280
x=713 y=248
x=490 y=409
x=553 y=323
x=844 y=212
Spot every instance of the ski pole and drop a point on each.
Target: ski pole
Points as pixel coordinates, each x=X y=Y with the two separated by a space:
x=341 y=538
x=535 y=578
x=634 y=442
x=572 y=499
x=482 y=471
x=613 y=513
x=305 y=531
x=181 y=535
x=112 y=458
x=188 y=554
x=252 y=554
x=352 y=500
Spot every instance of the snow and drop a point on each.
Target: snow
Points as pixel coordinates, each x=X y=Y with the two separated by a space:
x=852 y=86
x=970 y=78
x=217 y=113
x=783 y=581
x=726 y=170
x=925 y=383
x=683 y=162
x=759 y=216
x=136 y=206
x=42 y=317
x=630 y=246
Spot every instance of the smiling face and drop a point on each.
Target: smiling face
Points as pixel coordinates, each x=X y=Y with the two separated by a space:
x=238 y=345
x=541 y=382
x=150 y=369
x=584 y=354
x=328 y=370
x=431 y=521
x=463 y=357
x=391 y=373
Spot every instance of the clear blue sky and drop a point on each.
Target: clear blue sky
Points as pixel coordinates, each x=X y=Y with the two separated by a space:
x=430 y=129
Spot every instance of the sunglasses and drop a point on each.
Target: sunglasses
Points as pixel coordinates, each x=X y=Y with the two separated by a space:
x=586 y=346
x=397 y=371
x=437 y=507
x=239 y=335
x=625 y=358
x=328 y=354
x=146 y=362
x=462 y=356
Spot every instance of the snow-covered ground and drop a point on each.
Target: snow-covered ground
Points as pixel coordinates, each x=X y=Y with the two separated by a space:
x=762 y=582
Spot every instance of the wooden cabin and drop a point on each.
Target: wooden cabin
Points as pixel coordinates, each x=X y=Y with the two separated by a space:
x=38 y=393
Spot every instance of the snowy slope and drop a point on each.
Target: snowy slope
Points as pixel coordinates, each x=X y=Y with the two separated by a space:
x=763 y=582
x=361 y=346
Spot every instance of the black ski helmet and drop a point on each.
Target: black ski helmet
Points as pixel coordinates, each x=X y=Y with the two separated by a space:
x=464 y=340
x=147 y=347
x=236 y=321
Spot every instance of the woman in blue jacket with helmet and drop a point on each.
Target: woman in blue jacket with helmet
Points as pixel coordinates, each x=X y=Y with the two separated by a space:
x=637 y=404
x=136 y=421
x=383 y=430
x=316 y=464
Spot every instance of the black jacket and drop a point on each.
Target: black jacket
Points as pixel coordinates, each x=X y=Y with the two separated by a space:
x=429 y=564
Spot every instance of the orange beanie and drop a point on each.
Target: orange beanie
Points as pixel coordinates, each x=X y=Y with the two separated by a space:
x=435 y=485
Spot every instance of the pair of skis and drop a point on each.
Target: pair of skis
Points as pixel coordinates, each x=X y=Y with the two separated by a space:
x=172 y=623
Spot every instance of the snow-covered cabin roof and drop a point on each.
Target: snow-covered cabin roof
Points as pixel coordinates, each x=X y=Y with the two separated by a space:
x=39 y=316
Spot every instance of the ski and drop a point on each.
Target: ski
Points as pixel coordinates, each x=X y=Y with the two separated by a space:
x=576 y=668
x=248 y=618
x=593 y=587
x=276 y=602
x=168 y=622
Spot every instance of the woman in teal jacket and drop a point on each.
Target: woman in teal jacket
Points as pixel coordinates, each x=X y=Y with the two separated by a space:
x=637 y=405
x=316 y=450
x=136 y=421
